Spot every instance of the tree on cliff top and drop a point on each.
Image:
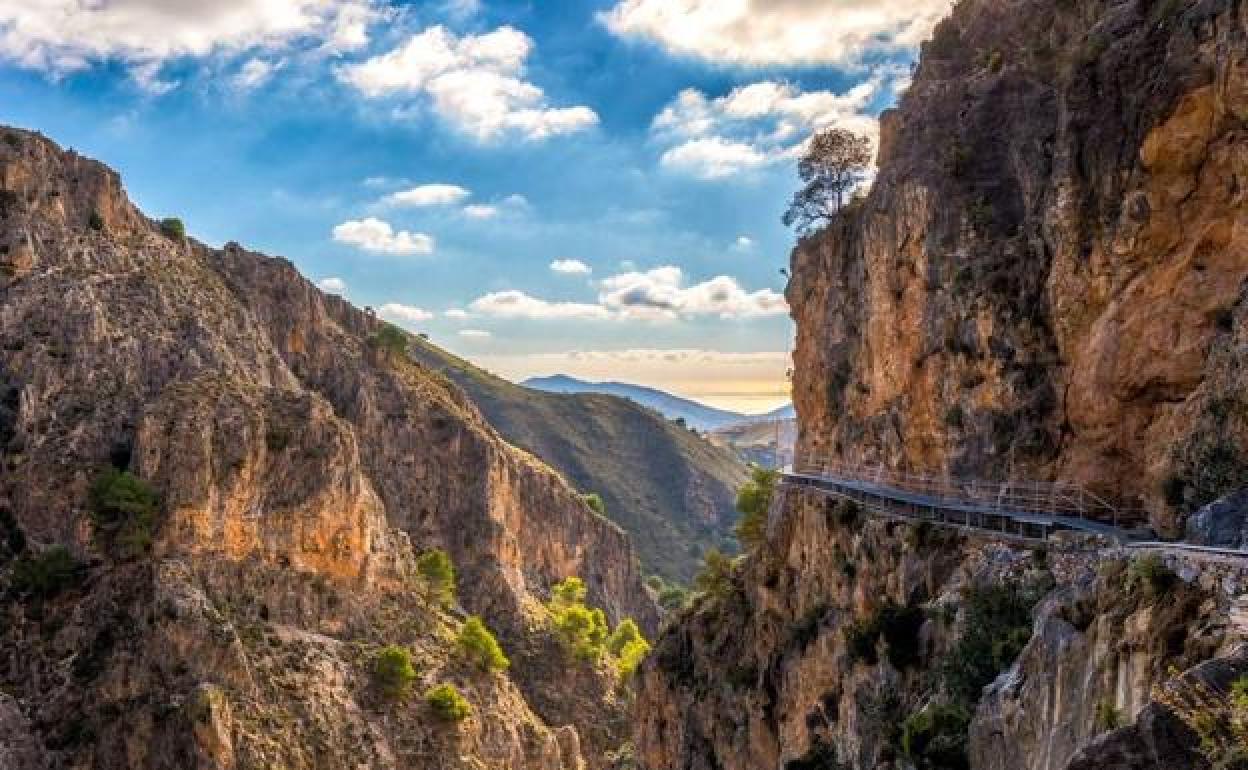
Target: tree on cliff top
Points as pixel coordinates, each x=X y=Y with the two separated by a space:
x=834 y=164
x=754 y=501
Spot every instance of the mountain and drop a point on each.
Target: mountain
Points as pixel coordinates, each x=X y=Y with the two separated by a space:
x=673 y=491
x=1046 y=281
x=697 y=416
x=221 y=493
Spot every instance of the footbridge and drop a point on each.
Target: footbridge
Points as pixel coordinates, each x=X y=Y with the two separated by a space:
x=1024 y=511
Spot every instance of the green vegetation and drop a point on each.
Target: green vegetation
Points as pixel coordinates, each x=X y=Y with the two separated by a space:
x=673 y=597
x=393 y=671
x=123 y=509
x=998 y=625
x=715 y=579
x=47 y=574
x=584 y=632
x=831 y=168
x=436 y=568
x=897 y=625
x=448 y=704
x=754 y=502
x=95 y=221
x=1108 y=716
x=935 y=738
x=172 y=227
x=1149 y=575
x=480 y=647
x=628 y=646
x=390 y=340
x=595 y=503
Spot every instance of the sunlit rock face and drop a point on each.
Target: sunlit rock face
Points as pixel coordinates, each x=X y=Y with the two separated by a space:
x=1045 y=280
x=299 y=468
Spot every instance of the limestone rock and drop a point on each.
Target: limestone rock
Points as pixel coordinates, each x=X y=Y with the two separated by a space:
x=1223 y=522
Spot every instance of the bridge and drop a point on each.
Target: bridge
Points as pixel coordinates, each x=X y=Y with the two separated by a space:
x=1028 y=512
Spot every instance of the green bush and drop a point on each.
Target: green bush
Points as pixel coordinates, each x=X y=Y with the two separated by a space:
x=627 y=645
x=754 y=503
x=447 y=704
x=998 y=625
x=390 y=340
x=480 y=647
x=393 y=671
x=595 y=503
x=900 y=628
x=1149 y=574
x=172 y=227
x=582 y=629
x=95 y=221
x=673 y=597
x=569 y=591
x=935 y=738
x=123 y=509
x=436 y=568
x=1108 y=716
x=715 y=579
x=47 y=574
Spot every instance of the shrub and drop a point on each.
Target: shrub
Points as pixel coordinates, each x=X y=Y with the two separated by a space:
x=595 y=503
x=123 y=509
x=954 y=417
x=569 y=591
x=95 y=221
x=1150 y=574
x=172 y=227
x=861 y=637
x=628 y=646
x=393 y=671
x=390 y=340
x=1108 y=717
x=582 y=629
x=715 y=579
x=754 y=502
x=998 y=625
x=900 y=628
x=436 y=568
x=480 y=646
x=447 y=704
x=673 y=598
x=936 y=737
x=47 y=574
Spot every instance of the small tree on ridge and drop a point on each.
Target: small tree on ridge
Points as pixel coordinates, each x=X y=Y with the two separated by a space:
x=833 y=165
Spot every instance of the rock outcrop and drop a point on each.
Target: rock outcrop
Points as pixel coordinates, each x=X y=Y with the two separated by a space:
x=299 y=467
x=1046 y=278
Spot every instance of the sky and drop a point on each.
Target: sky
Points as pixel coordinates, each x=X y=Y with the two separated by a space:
x=590 y=187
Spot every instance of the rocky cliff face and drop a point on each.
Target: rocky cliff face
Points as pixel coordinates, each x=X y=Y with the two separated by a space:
x=1045 y=281
x=1046 y=278
x=299 y=467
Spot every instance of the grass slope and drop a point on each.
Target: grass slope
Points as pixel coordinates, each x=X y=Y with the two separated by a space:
x=670 y=489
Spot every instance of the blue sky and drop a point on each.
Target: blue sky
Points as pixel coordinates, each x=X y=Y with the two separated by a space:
x=583 y=187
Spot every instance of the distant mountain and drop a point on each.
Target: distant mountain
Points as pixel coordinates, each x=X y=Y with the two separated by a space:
x=698 y=416
x=673 y=491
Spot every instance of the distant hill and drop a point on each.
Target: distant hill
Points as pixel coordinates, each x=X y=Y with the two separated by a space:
x=671 y=490
x=698 y=416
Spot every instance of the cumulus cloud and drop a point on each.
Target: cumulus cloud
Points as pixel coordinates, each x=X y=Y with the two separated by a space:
x=757 y=124
x=658 y=294
x=793 y=32
x=481 y=211
x=254 y=73
x=570 y=267
x=372 y=234
x=63 y=36
x=474 y=82
x=332 y=285
x=428 y=195
x=517 y=304
x=457 y=314
x=475 y=334
x=403 y=314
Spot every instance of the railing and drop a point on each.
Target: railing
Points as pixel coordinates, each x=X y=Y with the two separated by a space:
x=1051 y=498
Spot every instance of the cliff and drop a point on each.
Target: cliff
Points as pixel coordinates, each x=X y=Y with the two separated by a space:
x=672 y=491
x=1045 y=281
x=298 y=468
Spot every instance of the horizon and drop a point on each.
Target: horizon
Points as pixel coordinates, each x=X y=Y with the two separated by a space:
x=538 y=188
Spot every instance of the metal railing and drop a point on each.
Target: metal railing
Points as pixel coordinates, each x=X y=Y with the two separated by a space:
x=1049 y=498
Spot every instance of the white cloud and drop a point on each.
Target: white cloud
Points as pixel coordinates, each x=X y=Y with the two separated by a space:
x=254 y=73
x=62 y=36
x=661 y=293
x=787 y=32
x=517 y=304
x=658 y=294
x=405 y=314
x=757 y=124
x=428 y=195
x=480 y=211
x=457 y=314
x=712 y=158
x=332 y=285
x=475 y=334
x=472 y=82
x=570 y=267
x=372 y=234
x=744 y=242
